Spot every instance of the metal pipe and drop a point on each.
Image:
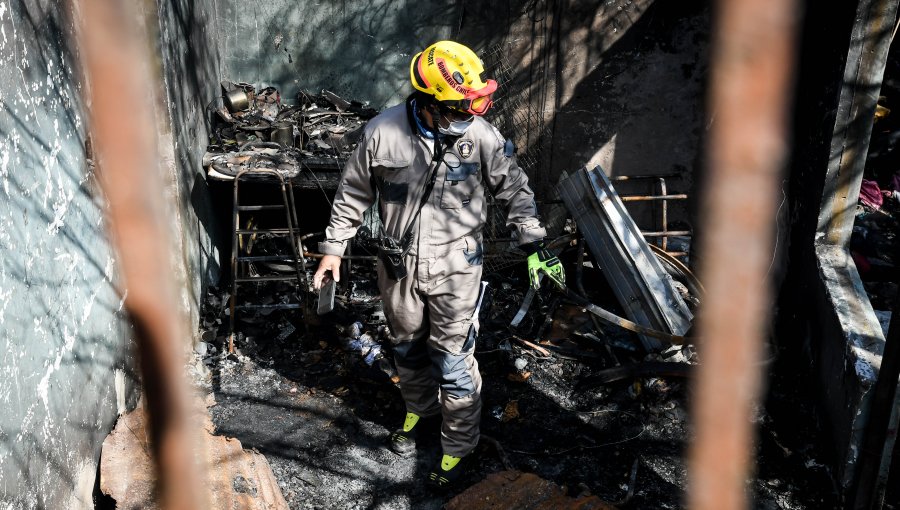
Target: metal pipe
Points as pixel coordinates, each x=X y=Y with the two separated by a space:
x=665 y=212
x=235 y=243
x=648 y=198
x=616 y=178
x=669 y=233
x=751 y=75
x=118 y=67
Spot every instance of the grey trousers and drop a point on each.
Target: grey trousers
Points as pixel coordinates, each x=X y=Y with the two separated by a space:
x=432 y=315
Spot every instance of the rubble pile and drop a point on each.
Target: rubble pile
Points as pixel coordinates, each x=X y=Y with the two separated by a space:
x=874 y=242
x=255 y=129
x=577 y=402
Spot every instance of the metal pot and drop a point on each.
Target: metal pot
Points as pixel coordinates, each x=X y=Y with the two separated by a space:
x=283 y=134
x=237 y=100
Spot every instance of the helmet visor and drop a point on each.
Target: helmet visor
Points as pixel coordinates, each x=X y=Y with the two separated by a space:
x=478 y=102
x=480 y=105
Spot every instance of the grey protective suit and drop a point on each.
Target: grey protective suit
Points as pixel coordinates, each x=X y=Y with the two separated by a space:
x=432 y=313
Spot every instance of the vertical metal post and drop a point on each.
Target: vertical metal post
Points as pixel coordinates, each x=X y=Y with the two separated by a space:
x=118 y=68
x=665 y=213
x=751 y=81
x=235 y=246
x=300 y=260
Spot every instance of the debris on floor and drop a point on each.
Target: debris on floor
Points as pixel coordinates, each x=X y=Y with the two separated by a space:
x=641 y=285
x=581 y=407
x=574 y=401
x=236 y=478
x=524 y=491
x=874 y=242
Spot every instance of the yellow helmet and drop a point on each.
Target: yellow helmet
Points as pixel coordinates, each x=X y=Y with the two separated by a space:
x=451 y=73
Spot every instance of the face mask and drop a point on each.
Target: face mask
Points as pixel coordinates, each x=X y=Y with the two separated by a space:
x=456 y=127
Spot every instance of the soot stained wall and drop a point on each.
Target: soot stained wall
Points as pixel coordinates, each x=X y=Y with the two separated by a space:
x=619 y=83
x=65 y=370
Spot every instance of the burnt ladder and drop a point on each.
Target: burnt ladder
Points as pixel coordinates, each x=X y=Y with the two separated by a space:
x=239 y=274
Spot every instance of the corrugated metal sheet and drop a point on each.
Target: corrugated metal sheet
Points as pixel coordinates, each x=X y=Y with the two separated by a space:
x=641 y=285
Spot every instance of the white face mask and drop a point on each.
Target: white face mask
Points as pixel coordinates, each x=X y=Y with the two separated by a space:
x=456 y=127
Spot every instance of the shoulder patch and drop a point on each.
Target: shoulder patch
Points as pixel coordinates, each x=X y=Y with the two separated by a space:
x=465 y=147
x=509 y=149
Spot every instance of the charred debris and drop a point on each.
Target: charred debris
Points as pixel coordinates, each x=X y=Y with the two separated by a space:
x=585 y=387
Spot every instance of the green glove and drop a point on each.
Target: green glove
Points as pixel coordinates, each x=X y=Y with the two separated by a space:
x=548 y=263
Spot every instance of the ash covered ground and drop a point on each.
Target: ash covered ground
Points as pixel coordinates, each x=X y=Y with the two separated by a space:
x=304 y=396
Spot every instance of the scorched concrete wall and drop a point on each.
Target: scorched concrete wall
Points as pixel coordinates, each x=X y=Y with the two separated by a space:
x=618 y=83
x=189 y=68
x=66 y=368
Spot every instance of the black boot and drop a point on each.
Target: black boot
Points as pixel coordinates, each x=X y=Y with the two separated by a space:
x=447 y=473
x=403 y=440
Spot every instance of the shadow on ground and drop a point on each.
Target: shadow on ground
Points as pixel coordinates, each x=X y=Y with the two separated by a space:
x=322 y=416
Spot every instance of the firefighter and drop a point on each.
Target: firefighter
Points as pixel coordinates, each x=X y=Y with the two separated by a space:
x=429 y=164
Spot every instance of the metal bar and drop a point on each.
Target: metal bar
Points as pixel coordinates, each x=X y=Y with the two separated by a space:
x=648 y=198
x=619 y=178
x=260 y=207
x=665 y=212
x=116 y=62
x=235 y=241
x=280 y=306
x=291 y=217
x=670 y=233
x=267 y=258
x=750 y=83
x=273 y=231
x=272 y=278
x=300 y=261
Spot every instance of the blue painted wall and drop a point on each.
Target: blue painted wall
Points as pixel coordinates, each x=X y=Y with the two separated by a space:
x=62 y=336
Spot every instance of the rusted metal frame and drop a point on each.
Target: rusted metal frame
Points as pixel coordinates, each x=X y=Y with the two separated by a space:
x=621 y=322
x=294 y=239
x=300 y=260
x=668 y=233
x=651 y=198
x=115 y=58
x=751 y=82
x=620 y=178
x=235 y=240
x=633 y=272
x=676 y=267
